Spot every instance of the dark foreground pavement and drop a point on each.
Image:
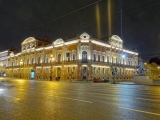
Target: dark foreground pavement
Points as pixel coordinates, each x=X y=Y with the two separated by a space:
x=57 y=100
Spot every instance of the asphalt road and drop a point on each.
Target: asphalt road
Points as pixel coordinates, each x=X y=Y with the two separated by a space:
x=62 y=100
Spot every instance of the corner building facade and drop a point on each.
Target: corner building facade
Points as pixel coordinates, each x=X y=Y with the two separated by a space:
x=82 y=58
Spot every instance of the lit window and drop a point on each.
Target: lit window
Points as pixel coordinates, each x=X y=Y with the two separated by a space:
x=73 y=70
x=98 y=58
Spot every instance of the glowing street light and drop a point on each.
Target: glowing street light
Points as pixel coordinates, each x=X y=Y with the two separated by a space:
x=123 y=56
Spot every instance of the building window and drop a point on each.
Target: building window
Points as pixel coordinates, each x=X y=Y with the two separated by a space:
x=112 y=59
x=94 y=57
x=84 y=70
x=27 y=61
x=47 y=60
x=84 y=56
x=99 y=71
x=39 y=59
x=74 y=57
x=103 y=71
x=32 y=60
x=103 y=58
x=98 y=58
x=94 y=70
x=73 y=70
x=68 y=56
x=59 y=57
x=107 y=58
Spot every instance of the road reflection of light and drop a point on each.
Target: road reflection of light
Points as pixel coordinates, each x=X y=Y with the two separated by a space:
x=1 y=90
x=32 y=81
x=21 y=80
x=52 y=85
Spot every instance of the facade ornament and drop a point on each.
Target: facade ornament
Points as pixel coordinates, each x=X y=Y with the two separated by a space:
x=84 y=36
x=58 y=41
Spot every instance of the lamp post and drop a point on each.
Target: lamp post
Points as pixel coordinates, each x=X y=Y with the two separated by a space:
x=21 y=63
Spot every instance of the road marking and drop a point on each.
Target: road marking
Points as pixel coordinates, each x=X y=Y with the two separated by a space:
x=140 y=111
x=147 y=99
x=74 y=99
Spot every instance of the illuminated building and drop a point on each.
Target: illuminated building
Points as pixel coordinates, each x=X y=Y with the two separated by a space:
x=3 y=61
x=82 y=58
x=154 y=70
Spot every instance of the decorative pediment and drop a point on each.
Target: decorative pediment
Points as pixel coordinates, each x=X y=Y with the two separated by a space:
x=84 y=48
x=84 y=36
x=12 y=54
x=58 y=41
x=28 y=40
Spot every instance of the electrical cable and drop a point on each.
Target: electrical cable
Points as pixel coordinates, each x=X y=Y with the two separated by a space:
x=66 y=14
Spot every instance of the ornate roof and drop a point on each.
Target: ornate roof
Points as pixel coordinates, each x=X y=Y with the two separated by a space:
x=58 y=41
x=28 y=40
x=117 y=38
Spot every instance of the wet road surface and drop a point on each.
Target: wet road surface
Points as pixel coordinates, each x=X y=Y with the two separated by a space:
x=61 y=100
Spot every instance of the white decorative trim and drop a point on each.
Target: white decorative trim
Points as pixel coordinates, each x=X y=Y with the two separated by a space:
x=84 y=36
x=58 y=42
x=84 y=48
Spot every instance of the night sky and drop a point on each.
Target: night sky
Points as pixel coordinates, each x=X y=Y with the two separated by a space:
x=140 y=28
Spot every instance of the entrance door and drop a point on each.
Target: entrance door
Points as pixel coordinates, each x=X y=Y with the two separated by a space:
x=84 y=71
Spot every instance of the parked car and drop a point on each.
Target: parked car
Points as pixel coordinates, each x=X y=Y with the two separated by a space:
x=96 y=80
x=104 y=80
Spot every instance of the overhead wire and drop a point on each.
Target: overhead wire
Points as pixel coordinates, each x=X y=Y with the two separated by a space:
x=67 y=14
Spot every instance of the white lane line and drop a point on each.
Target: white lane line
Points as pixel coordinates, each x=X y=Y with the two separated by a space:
x=147 y=99
x=74 y=99
x=140 y=111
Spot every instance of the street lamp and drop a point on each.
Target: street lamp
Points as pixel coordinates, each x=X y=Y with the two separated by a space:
x=21 y=63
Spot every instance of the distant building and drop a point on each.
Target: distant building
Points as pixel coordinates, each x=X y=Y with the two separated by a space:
x=154 y=70
x=155 y=60
x=82 y=58
x=3 y=60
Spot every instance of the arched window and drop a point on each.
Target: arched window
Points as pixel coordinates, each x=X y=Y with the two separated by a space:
x=84 y=56
x=102 y=58
x=94 y=70
x=103 y=71
x=68 y=56
x=59 y=57
x=74 y=56
x=47 y=60
x=107 y=58
x=98 y=58
x=39 y=58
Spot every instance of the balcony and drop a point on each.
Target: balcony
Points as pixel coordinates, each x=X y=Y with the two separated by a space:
x=84 y=61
